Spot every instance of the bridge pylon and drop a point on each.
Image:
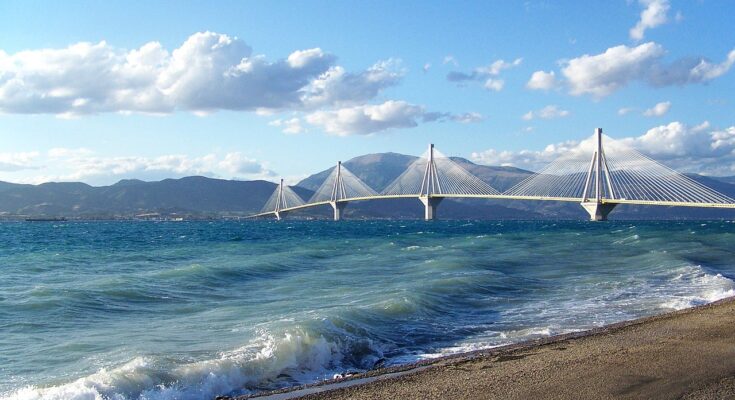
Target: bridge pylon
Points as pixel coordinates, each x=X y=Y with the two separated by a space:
x=340 y=187
x=598 y=186
x=430 y=185
x=279 y=201
x=282 y=199
x=338 y=193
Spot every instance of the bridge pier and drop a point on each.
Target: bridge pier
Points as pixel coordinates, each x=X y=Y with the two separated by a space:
x=598 y=211
x=338 y=208
x=278 y=215
x=430 y=205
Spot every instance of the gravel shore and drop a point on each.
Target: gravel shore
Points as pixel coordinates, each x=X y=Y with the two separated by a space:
x=689 y=354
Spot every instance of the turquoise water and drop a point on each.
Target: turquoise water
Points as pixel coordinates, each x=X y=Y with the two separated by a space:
x=189 y=310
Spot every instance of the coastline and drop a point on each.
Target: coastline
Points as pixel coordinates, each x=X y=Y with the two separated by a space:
x=688 y=354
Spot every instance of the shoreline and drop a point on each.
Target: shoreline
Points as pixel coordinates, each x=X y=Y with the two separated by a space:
x=456 y=375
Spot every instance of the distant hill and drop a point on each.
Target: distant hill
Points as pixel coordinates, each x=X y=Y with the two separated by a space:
x=195 y=195
x=378 y=170
x=199 y=197
x=726 y=179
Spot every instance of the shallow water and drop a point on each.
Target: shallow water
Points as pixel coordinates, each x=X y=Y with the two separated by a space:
x=189 y=310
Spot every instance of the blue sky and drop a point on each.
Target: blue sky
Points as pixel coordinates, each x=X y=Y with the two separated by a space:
x=101 y=91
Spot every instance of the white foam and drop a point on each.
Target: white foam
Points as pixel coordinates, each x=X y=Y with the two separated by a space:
x=696 y=287
x=498 y=339
x=527 y=333
x=668 y=289
x=297 y=357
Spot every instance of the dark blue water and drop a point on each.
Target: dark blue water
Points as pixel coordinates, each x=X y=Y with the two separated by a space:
x=185 y=310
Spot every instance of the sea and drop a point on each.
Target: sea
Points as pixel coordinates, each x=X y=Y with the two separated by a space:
x=192 y=310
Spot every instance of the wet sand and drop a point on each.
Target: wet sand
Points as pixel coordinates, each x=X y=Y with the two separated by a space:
x=688 y=354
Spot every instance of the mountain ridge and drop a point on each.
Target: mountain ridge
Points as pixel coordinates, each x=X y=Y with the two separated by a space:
x=203 y=197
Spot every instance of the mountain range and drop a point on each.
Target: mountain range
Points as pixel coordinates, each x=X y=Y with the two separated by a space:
x=201 y=197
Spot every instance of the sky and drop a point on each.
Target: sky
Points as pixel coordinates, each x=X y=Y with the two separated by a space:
x=102 y=91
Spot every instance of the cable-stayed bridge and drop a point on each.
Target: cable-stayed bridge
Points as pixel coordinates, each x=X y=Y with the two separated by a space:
x=595 y=177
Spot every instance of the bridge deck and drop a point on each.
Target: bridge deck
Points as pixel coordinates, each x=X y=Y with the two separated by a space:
x=503 y=197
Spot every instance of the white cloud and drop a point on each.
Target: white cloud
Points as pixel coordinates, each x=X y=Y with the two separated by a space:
x=697 y=149
x=498 y=66
x=528 y=159
x=239 y=166
x=660 y=109
x=653 y=15
x=486 y=74
x=370 y=119
x=303 y=58
x=84 y=165
x=449 y=59
x=602 y=74
x=494 y=84
x=367 y=119
x=62 y=152
x=207 y=73
x=548 y=112
x=541 y=80
x=11 y=162
x=705 y=71
x=292 y=125
x=337 y=87
x=426 y=67
x=626 y=110
x=468 y=118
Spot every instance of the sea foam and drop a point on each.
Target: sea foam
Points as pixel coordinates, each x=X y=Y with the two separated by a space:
x=268 y=362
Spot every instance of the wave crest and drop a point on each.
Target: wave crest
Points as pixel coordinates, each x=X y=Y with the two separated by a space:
x=269 y=361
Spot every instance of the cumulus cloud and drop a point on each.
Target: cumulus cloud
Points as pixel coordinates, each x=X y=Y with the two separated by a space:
x=653 y=15
x=697 y=149
x=548 y=112
x=367 y=119
x=495 y=85
x=292 y=125
x=337 y=87
x=207 y=73
x=602 y=74
x=86 y=166
x=486 y=74
x=660 y=109
x=705 y=70
x=374 y=118
x=239 y=166
x=542 y=80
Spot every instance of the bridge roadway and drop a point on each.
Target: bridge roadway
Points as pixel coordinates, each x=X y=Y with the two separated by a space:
x=634 y=179
x=499 y=197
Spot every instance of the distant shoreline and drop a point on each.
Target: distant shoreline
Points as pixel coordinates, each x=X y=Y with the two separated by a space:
x=688 y=354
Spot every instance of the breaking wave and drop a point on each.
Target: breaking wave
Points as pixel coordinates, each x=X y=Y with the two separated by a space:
x=267 y=362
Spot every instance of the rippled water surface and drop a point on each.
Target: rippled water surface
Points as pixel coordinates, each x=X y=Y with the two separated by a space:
x=189 y=310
